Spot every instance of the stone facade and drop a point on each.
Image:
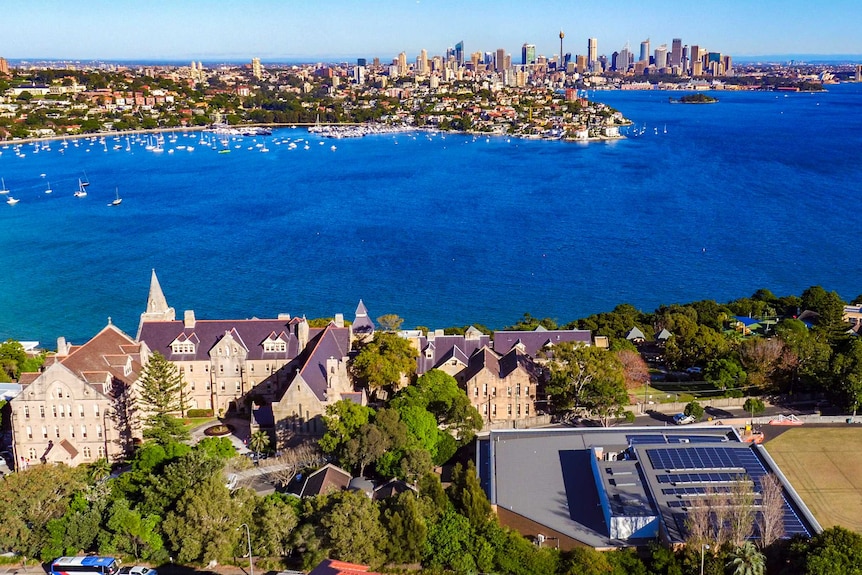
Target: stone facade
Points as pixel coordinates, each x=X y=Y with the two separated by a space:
x=76 y=410
x=501 y=387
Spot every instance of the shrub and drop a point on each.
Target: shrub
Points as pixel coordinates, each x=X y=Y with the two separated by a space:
x=199 y=413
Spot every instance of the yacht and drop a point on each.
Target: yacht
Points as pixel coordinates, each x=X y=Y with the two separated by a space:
x=81 y=191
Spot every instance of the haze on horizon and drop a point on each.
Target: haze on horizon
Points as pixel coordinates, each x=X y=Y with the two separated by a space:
x=277 y=30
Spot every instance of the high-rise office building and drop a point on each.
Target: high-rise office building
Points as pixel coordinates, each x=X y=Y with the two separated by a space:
x=694 y=60
x=4 y=66
x=362 y=62
x=581 y=62
x=661 y=57
x=528 y=54
x=402 y=64
x=500 y=60
x=592 y=52
x=459 y=53
x=624 y=60
x=255 y=68
x=614 y=59
x=676 y=52
x=645 y=51
x=423 y=61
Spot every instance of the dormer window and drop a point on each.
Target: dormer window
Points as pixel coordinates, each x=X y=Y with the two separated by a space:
x=277 y=345
x=183 y=347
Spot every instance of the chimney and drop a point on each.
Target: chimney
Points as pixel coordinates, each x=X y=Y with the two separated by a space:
x=284 y=317
x=339 y=320
x=189 y=319
x=62 y=346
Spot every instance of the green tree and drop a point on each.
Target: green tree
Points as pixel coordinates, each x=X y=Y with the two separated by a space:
x=133 y=534
x=160 y=394
x=449 y=542
x=274 y=522
x=343 y=419
x=754 y=406
x=587 y=378
x=383 y=361
x=389 y=322
x=467 y=495
x=835 y=551
x=725 y=373
x=366 y=446
x=259 y=441
x=353 y=530
x=846 y=387
x=203 y=526
x=694 y=409
x=12 y=359
x=407 y=529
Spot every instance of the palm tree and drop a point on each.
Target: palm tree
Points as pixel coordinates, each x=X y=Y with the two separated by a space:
x=100 y=469
x=259 y=441
x=747 y=560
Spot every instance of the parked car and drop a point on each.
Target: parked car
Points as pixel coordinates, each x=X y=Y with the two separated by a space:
x=683 y=419
x=137 y=570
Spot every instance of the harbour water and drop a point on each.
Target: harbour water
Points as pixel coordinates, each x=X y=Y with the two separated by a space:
x=700 y=201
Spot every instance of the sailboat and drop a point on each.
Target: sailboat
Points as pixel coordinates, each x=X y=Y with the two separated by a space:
x=118 y=200
x=48 y=190
x=81 y=191
x=3 y=190
x=85 y=182
x=12 y=201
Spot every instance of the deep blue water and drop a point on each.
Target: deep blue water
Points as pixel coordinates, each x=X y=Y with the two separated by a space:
x=710 y=201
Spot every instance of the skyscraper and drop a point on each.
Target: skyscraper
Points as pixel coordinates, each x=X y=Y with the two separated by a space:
x=676 y=52
x=592 y=52
x=255 y=68
x=694 y=60
x=528 y=54
x=645 y=51
x=624 y=60
x=500 y=60
x=402 y=64
x=4 y=66
x=459 y=53
x=423 y=61
x=661 y=57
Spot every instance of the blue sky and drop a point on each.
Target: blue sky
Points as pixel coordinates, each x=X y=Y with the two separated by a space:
x=332 y=29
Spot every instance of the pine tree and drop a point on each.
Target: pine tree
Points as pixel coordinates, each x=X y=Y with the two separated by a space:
x=160 y=394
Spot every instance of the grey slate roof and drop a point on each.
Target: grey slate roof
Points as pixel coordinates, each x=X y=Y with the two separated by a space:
x=446 y=347
x=534 y=341
x=159 y=335
x=362 y=324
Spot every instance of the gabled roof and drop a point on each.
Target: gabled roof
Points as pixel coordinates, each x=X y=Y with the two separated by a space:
x=362 y=324
x=331 y=342
x=392 y=488
x=328 y=478
x=104 y=358
x=534 y=341
x=663 y=335
x=443 y=349
x=635 y=333
x=159 y=335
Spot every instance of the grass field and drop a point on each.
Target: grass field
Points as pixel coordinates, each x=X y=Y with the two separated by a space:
x=824 y=466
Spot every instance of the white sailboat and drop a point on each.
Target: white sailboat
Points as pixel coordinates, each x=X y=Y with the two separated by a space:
x=3 y=190
x=118 y=200
x=48 y=190
x=12 y=201
x=81 y=191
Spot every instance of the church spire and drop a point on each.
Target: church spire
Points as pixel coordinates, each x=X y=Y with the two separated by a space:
x=157 y=305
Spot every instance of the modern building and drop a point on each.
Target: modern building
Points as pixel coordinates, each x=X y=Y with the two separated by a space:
x=256 y=70
x=661 y=57
x=611 y=488
x=500 y=60
x=79 y=407
x=459 y=53
x=644 y=51
x=676 y=54
x=4 y=66
x=592 y=53
x=528 y=54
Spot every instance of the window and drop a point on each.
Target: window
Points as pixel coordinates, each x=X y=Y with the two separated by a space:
x=42 y=411
x=221 y=369
x=101 y=451
x=519 y=410
x=27 y=412
x=192 y=386
x=238 y=387
x=87 y=453
x=527 y=390
x=509 y=410
x=527 y=409
x=485 y=408
x=251 y=368
x=54 y=410
x=183 y=347
x=84 y=431
x=475 y=392
x=207 y=386
x=96 y=409
x=275 y=345
x=494 y=409
x=509 y=391
x=32 y=453
x=62 y=411
x=191 y=368
x=71 y=431
x=44 y=432
x=99 y=431
x=57 y=431
x=69 y=409
x=518 y=390
x=484 y=389
x=236 y=369
x=222 y=386
x=80 y=410
x=59 y=393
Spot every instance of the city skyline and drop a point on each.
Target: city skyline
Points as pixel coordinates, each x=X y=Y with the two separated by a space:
x=272 y=30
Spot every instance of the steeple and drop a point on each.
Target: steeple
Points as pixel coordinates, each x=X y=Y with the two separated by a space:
x=157 y=305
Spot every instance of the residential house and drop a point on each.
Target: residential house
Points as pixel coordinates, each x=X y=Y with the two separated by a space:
x=448 y=353
x=540 y=340
x=79 y=407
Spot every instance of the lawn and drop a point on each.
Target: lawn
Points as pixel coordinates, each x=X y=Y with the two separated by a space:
x=192 y=422
x=823 y=465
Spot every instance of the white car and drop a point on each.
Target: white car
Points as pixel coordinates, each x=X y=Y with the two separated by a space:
x=137 y=570
x=683 y=419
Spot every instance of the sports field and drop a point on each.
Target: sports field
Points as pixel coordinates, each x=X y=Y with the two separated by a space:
x=824 y=465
